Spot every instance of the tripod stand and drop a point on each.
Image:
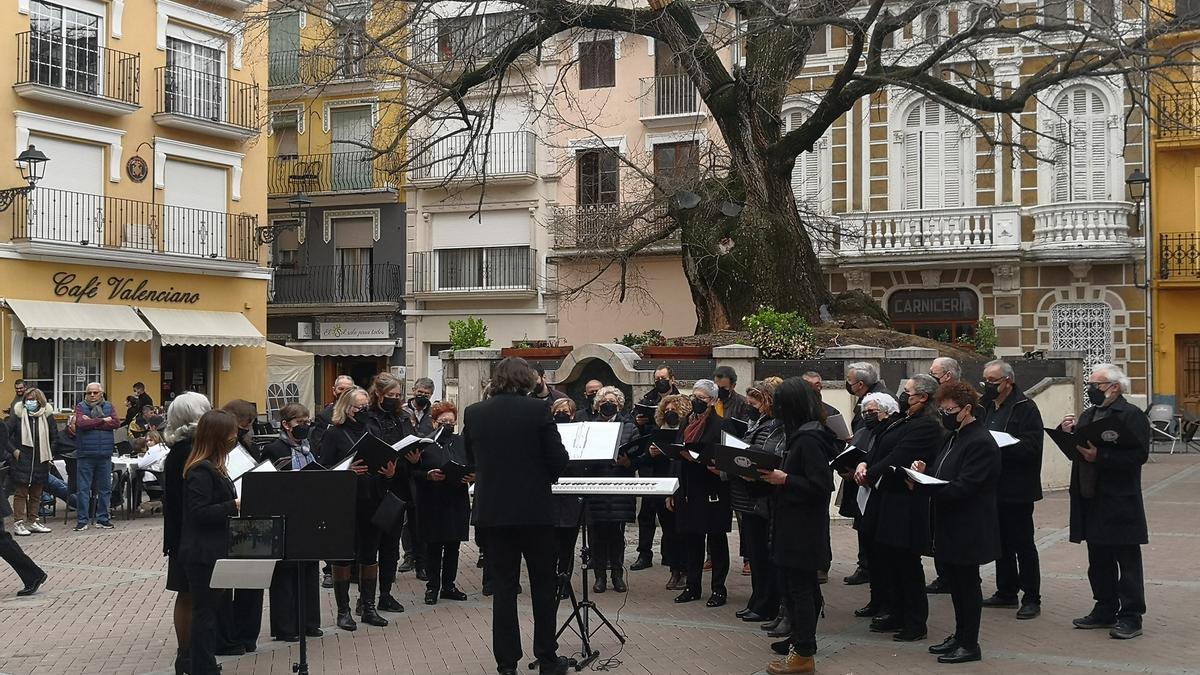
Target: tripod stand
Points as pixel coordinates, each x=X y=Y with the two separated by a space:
x=583 y=609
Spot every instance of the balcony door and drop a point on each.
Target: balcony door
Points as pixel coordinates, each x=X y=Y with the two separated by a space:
x=1187 y=378
x=64 y=48
x=284 y=44
x=68 y=205
x=195 y=212
x=1081 y=157
x=354 y=241
x=351 y=162
x=598 y=194
x=674 y=93
x=932 y=158
x=193 y=79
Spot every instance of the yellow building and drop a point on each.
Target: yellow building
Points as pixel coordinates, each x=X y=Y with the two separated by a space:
x=136 y=258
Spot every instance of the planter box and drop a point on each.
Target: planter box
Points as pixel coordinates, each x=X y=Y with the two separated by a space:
x=664 y=352
x=537 y=353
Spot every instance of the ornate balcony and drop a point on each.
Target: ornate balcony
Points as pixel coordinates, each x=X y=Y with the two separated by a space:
x=923 y=231
x=604 y=227
x=1179 y=256
x=77 y=72
x=337 y=284
x=670 y=100
x=1077 y=225
x=1178 y=118
x=330 y=172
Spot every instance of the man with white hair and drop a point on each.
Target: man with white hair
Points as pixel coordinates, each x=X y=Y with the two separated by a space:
x=945 y=370
x=862 y=378
x=1106 y=505
x=95 y=421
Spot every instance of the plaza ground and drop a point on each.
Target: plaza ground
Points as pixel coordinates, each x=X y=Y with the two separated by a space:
x=104 y=610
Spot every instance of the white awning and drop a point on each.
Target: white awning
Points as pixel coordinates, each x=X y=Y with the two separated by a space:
x=77 y=321
x=345 y=347
x=198 y=328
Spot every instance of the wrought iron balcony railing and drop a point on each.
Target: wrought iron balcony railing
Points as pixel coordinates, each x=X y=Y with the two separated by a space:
x=1179 y=255
x=499 y=155
x=292 y=67
x=206 y=97
x=1179 y=116
x=353 y=171
x=334 y=284
x=460 y=270
x=608 y=226
x=78 y=65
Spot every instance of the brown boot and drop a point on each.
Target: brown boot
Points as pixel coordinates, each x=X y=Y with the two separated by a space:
x=792 y=663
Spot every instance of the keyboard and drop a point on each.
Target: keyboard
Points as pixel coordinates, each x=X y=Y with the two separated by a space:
x=638 y=487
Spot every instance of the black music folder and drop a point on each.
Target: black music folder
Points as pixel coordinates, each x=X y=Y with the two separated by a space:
x=743 y=461
x=848 y=460
x=374 y=452
x=736 y=427
x=637 y=447
x=1105 y=433
x=644 y=410
x=455 y=472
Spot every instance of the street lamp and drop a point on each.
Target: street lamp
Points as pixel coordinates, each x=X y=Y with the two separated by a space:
x=33 y=167
x=1136 y=184
x=300 y=203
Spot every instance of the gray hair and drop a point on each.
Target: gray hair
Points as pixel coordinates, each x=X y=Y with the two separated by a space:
x=886 y=402
x=863 y=372
x=924 y=384
x=949 y=365
x=707 y=386
x=605 y=391
x=1113 y=374
x=423 y=383
x=339 y=378
x=1005 y=367
x=184 y=414
x=94 y=384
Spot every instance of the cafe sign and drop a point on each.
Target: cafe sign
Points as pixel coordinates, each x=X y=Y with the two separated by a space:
x=118 y=288
x=355 y=330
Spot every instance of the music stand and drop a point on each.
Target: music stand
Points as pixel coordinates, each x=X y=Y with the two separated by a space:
x=319 y=507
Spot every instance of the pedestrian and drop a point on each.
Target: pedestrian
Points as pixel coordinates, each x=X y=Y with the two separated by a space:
x=95 y=421
x=33 y=438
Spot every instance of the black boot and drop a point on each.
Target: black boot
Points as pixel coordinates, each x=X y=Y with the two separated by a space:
x=387 y=603
x=618 y=581
x=601 y=584
x=366 y=591
x=341 y=594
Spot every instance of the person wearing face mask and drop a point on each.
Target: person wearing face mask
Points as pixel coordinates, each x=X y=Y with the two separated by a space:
x=672 y=410
x=418 y=407
x=245 y=413
x=608 y=514
x=351 y=421
x=244 y=605
x=964 y=514
x=588 y=409
x=729 y=403
x=703 y=513
x=897 y=520
x=324 y=419
x=752 y=499
x=862 y=378
x=1107 y=510
x=664 y=385
x=390 y=423
x=33 y=438
x=543 y=390
x=293 y=449
x=1004 y=407
x=420 y=423
x=569 y=509
x=945 y=370
x=445 y=506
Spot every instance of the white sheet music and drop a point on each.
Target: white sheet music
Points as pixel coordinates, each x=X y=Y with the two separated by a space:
x=731 y=441
x=344 y=465
x=238 y=462
x=837 y=424
x=864 y=493
x=590 y=441
x=265 y=467
x=400 y=445
x=1005 y=439
x=924 y=479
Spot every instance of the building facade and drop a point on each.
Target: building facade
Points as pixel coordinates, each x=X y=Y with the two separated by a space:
x=135 y=258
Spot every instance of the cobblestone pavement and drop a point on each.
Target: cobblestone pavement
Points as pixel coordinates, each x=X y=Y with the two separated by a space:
x=104 y=610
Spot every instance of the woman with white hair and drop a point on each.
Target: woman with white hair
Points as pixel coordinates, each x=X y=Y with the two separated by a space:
x=607 y=515
x=182 y=418
x=703 y=510
x=876 y=411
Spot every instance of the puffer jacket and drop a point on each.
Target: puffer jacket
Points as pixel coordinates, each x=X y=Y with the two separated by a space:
x=94 y=433
x=755 y=496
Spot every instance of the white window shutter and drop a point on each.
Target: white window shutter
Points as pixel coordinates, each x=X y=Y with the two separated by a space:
x=952 y=172
x=1098 y=156
x=1061 y=191
x=933 y=162
x=912 y=170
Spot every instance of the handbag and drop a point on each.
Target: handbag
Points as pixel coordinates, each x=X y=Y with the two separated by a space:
x=389 y=517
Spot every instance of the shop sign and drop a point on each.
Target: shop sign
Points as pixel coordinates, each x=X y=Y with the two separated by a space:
x=961 y=304
x=355 y=330
x=126 y=289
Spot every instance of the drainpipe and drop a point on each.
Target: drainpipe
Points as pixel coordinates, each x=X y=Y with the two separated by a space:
x=1148 y=228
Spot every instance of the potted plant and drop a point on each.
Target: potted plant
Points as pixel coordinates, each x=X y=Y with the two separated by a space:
x=537 y=349
x=469 y=333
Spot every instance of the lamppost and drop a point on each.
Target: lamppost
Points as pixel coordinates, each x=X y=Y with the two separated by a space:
x=1136 y=184
x=300 y=203
x=33 y=167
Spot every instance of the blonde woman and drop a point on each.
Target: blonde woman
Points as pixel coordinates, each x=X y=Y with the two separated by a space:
x=33 y=436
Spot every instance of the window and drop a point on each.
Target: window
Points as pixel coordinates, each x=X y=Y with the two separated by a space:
x=597 y=64
x=62 y=369
x=64 y=48
x=353 y=239
x=1085 y=327
x=283 y=40
x=352 y=133
x=500 y=268
x=1100 y=13
x=280 y=394
x=193 y=79
x=932 y=158
x=676 y=166
x=473 y=37
x=1081 y=152
x=820 y=41
x=196 y=198
x=810 y=175
x=350 y=46
x=597 y=177
x=287 y=245
x=931 y=24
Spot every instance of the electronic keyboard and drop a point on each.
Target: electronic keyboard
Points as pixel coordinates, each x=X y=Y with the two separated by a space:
x=637 y=487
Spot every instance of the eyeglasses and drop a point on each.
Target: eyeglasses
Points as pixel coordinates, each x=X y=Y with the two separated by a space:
x=951 y=412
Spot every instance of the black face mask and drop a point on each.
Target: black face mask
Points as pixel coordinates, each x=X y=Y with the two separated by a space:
x=950 y=421
x=991 y=390
x=671 y=418
x=850 y=389
x=420 y=402
x=870 y=420
x=1095 y=394
x=662 y=386
x=753 y=414
x=723 y=394
x=698 y=406
x=903 y=401
x=246 y=437
x=301 y=432
x=608 y=409
x=390 y=404
x=590 y=398
x=562 y=417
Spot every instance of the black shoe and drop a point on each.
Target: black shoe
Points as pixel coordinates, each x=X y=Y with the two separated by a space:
x=389 y=604
x=231 y=650
x=864 y=612
x=937 y=586
x=716 y=600
x=250 y=647
x=961 y=655
x=1029 y=610
x=1126 y=629
x=372 y=617
x=479 y=563
x=753 y=617
x=345 y=621
x=288 y=638
x=601 y=583
x=910 y=635
x=642 y=563
x=421 y=575
x=314 y=633
x=431 y=597
x=782 y=647
x=618 y=582
x=487 y=590
x=859 y=577
x=327 y=581
x=452 y=593
x=772 y=624
x=1093 y=620
x=183 y=663
x=33 y=586
x=784 y=629
x=687 y=596
x=889 y=626
x=945 y=646
x=564 y=591
x=407 y=565
x=998 y=600
x=558 y=666
x=506 y=671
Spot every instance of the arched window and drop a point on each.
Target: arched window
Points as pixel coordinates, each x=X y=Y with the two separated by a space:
x=812 y=173
x=1081 y=149
x=932 y=158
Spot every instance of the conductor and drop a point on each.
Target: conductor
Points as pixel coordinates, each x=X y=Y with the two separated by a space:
x=516 y=450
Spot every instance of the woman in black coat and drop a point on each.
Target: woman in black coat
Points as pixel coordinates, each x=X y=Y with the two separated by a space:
x=569 y=508
x=965 y=535
x=391 y=424
x=878 y=411
x=209 y=499
x=608 y=514
x=752 y=499
x=444 y=519
x=32 y=442
x=703 y=512
x=896 y=519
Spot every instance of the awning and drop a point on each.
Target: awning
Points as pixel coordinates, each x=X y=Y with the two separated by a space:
x=345 y=347
x=77 y=321
x=193 y=327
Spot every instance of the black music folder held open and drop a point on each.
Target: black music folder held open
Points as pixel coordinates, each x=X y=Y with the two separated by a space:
x=1105 y=433
x=743 y=461
x=374 y=452
x=455 y=472
x=848 y=460
x=637 y=447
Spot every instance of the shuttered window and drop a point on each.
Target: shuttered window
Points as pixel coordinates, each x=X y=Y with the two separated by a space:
x=597 y=64
x=1081 y=150
x=810 y=178
x=932 y=158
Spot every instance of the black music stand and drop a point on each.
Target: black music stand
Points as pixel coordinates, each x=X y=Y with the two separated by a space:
x=319 y=507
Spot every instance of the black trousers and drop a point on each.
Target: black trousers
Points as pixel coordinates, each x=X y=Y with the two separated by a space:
x=693 y=546
x=1018 y=568
x=206 y=618
x=764 y=582
x=366 y=536
x=1115 y=573
x=607 y=543
x=410 y=538
x=802 y=600
x=564 y=545
x=967 y=596
x=11 y=552
x=903 y=581
x=441 y=564
x=242 y=620
x=389 y=558
x=654 y=512
x=506 y=546
x=285 y=605
x=864 y=546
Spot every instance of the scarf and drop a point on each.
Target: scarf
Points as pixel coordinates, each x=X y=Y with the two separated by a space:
x=695 y=428
x=301 y=452
x=42 y=445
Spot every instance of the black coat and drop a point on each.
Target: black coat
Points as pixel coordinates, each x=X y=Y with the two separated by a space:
x=320 y=424
x=856 y=420
x=277 y=450
x=702 y=504
x=208 y=503
x=445 y=513
x=336 y=444
x=735 y=407
x=754 y=496
x=864 y=439
x=895 y=516
x=23 y=471
x=1020 y=464
x=173 y=489
x=391 y=428
x=1116 y=514
x=800 y=513
x=518 y=453
x=613 y=508
x=965 y=520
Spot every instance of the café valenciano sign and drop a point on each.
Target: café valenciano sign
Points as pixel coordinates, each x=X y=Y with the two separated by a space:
x=118 y=288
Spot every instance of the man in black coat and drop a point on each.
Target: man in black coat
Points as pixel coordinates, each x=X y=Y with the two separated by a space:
x=1106 y=506
x=517 y=452
x=730 y=404
x=862 y=378
x=1005 y=408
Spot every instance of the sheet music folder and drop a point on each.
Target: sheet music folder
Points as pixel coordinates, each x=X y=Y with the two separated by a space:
x=591 y=441
x=848 y=460
x=374 y=452
x=743 y=461
x=1105 y=433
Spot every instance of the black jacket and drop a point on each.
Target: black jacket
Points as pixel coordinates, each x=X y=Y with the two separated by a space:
x=173 y=489
x=895 y=516
x=864 y=439
x=613 y=508
x=208 y=503
x=735 y=407
x=702 y=504
x=800 y=517
x=391 y=428
x=965 y=520
x=517 y=452
x=320 y=423
x=1020 y=464
x=1116 y=514
x=336 y=444
x=23 y=471
x=754 y=496
x=445 y=512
